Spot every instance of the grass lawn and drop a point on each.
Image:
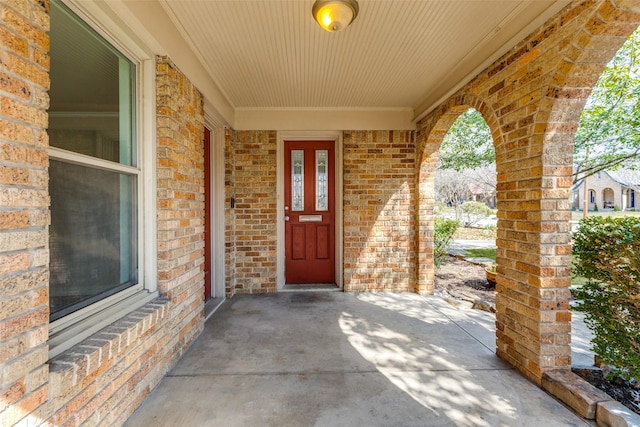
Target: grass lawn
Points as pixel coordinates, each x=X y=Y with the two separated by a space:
x=481 y=253
x=475 y=233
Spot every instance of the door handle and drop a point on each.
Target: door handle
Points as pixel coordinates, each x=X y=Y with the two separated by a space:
x=286 y=217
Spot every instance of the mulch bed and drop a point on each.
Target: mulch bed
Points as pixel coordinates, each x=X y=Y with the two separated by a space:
x=457 y=279
x=624 y=392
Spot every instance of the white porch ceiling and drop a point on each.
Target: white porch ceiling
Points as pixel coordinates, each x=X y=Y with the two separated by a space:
x=268 y=58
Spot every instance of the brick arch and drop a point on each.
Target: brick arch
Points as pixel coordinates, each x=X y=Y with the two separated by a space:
x=534 y=252
x=537 y=91
x=599 y=35
x=429 y=140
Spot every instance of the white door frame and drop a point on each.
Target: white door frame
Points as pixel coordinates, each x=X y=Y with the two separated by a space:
x=335 y=136
x=217 y=212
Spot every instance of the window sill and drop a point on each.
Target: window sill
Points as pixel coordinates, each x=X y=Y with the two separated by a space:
x=70 y=330
x=85 y=360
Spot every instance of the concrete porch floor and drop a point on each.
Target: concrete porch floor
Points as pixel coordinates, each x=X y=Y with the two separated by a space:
x=336 y=359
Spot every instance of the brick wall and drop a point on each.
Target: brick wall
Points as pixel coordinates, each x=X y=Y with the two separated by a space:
x=180 y=189
x=379 y=226
x=108 y=375
x=531 y=98
x=251 y=225
x=378 y=213
x=105 y=377
x=24 y=203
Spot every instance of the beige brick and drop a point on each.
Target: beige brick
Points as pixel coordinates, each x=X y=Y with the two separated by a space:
x=14 y=262
x=38 y=77
x=14 y=220
x=25 y=155
x=18 y=368
x=22 y=112
x=20 y=409
x=22 y=240
x=12 y=131
x=23 y=198
x=14 y=42
x=13 y=86
x=18 y=24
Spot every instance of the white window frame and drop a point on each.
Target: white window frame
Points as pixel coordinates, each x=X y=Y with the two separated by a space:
x=79 y=325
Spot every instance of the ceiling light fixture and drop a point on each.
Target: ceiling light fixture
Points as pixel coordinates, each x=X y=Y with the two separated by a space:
x=335 y=15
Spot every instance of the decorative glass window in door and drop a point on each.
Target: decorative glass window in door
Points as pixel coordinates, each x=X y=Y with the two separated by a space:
x=322 y=181
x=297 y=180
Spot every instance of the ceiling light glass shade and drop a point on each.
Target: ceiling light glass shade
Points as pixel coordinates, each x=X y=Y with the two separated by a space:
x=335 y=15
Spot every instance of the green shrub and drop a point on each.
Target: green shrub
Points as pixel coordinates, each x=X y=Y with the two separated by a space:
x=607 y=252
x=443 y=234
x=472 y=212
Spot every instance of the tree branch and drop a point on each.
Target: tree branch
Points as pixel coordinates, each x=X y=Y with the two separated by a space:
x=592 y=170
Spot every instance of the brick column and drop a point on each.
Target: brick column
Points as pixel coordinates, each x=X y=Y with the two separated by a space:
x=180 y=190
x=24 y=209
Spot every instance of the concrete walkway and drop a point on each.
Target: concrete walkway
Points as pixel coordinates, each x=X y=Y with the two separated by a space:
x=581 y=336
x=459 y=247
x=337 y=359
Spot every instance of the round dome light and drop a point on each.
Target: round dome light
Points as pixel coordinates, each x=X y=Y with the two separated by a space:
x=335 y=15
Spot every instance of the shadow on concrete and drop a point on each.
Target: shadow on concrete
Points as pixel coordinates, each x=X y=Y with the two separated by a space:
x=335 y=359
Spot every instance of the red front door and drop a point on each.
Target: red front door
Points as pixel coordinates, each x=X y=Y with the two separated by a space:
x=309 y=212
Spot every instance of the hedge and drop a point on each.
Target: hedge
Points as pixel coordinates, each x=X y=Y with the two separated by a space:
x=607 y=253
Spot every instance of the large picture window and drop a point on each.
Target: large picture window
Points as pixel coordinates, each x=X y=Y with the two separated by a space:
x=94 y=173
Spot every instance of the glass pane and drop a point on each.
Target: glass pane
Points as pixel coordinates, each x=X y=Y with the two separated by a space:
x=92 y=235
x=322 y=180
x=92 y=92
x=297 y=180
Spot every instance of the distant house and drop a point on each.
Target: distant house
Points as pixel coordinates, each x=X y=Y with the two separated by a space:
x=483 y=192
x=608 y=190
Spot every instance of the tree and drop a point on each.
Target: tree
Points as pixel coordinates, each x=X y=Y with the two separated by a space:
x=453 y=188
x=608 y=134
x=467 y=161
x=628 y=177
x=468 y=143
